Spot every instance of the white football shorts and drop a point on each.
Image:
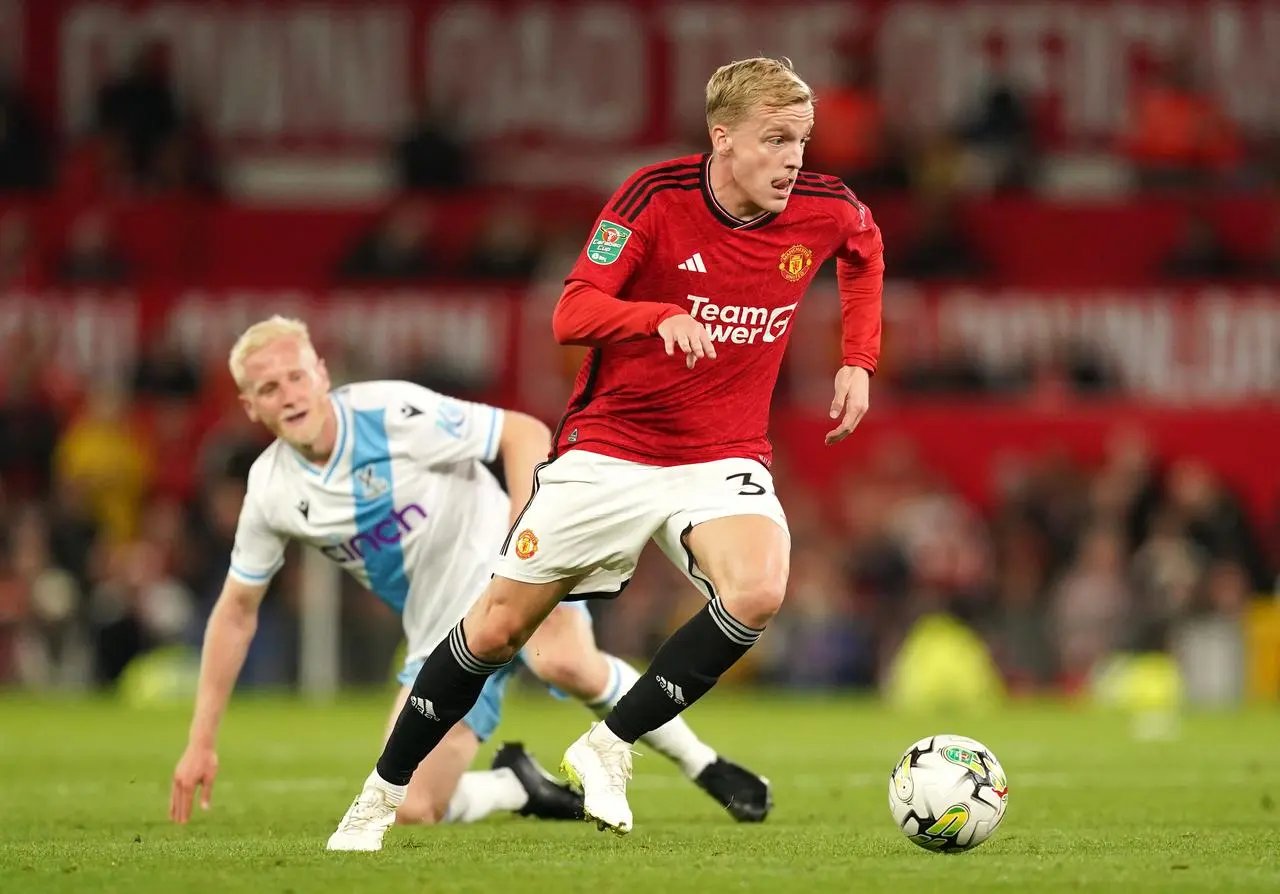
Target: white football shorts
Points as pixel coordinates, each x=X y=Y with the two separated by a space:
x=593 y=514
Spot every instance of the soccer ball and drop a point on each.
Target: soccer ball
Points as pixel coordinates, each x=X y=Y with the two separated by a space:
x=948 y=793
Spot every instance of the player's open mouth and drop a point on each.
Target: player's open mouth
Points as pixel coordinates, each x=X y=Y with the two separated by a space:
x=295 y=418
x=783 y=185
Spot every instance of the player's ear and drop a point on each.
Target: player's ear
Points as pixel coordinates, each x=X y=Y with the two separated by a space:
x=322 y=374
x=248 y=407
x=721 y=142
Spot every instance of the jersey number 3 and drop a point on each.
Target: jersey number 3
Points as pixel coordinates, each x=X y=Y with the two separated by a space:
x=749 y=488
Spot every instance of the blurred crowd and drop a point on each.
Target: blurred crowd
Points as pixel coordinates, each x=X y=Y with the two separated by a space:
x=117 y=519
x=118 y=507
x=144 y=141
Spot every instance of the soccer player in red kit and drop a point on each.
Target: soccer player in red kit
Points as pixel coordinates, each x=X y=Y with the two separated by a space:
x=685 y=293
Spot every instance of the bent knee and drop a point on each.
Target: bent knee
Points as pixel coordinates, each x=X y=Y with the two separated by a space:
x=504 y=618
x=495 y=632
x=576 y=674
x=754 y=602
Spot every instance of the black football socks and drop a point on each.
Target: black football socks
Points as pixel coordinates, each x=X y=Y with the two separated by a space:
x=446 y=688
x=685 y=668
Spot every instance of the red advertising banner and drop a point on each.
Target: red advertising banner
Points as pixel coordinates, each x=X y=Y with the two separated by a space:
x=978 y=447
x=1076 y=245
x=1207 y=347
x=1203 y=368
x=553 y=86
x=99 y=334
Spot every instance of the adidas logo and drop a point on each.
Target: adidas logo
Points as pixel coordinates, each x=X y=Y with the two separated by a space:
x=694 y=263
x=423 y=706
x=673 y=691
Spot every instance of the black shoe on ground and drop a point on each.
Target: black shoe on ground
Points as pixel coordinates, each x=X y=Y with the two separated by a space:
x=745 y=795
x=549 y=798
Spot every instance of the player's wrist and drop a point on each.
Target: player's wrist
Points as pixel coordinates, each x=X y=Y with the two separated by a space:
x=202 y=742
x=203 y=734
x=860 y=364
x=663 y=315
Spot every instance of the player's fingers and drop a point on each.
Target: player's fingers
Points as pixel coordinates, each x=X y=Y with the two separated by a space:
x=837 y=403
x=683 y=341
x=206 y=799
x=180 y=808
x=668 y=342
x=853 y=415
x=708 y=345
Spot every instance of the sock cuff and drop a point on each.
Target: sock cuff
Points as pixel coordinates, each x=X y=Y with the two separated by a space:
x=613 y=688
x=731 y=627
x=464 y=657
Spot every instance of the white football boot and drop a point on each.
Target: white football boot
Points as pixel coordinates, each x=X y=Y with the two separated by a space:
x=369 y=817
x=599 y=765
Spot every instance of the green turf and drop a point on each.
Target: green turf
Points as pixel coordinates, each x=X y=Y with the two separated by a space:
x=84 y=790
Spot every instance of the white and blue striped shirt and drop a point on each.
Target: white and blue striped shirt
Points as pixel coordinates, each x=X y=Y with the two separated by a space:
x=404 y=504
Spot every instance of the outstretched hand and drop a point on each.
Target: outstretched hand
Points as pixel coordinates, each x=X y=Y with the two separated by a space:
x=851 y=402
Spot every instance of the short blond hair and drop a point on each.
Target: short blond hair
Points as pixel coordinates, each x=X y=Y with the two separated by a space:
x=736 y=90
x=261 y=334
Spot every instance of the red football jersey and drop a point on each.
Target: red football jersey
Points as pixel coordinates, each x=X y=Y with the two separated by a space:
x=663 y=246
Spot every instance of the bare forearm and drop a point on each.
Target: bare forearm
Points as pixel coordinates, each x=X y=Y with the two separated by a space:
x=231 y=629
x=526 y=443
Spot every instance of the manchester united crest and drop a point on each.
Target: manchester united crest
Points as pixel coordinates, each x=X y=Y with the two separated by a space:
x=526 y=544
x=795 y=263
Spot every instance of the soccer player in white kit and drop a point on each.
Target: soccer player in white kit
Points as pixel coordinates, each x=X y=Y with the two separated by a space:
x=388 y=480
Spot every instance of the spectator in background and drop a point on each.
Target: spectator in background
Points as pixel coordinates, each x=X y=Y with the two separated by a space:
x=19 y=265
x=509 y=247
x=1213 y=519
x=1200 y=252
x=139 y=109
x=939 y=248
x=1000 y=135
x=1090 y=608
x=822 y=641
x=91 y=256
x=1178 y=135
x=24 y=152
x=144 y=134
x=103 y=453
x=432 y=156
x=54 y=637
x=75 y=534
x=856 y=142
x=28 y=424
x=164 y=371
x=397 y=248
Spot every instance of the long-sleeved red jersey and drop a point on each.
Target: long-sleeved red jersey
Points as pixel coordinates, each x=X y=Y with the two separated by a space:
x=664 y=246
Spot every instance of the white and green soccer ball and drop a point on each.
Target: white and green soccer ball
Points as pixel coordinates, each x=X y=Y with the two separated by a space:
x=948 y=793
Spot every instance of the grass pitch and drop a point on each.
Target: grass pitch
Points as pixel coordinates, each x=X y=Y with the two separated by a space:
x=84 y=789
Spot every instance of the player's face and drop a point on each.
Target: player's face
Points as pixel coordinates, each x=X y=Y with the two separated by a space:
x=766 y=151
x=287 y=391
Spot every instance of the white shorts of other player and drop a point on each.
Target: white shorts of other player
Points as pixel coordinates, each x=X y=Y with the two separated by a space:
x=593 y=514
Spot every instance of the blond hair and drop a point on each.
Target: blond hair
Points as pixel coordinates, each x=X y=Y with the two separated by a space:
x=736 y=90
x=263 y=333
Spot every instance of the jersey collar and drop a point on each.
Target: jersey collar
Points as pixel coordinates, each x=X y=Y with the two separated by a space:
x=339 y=446
x=719 y=212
